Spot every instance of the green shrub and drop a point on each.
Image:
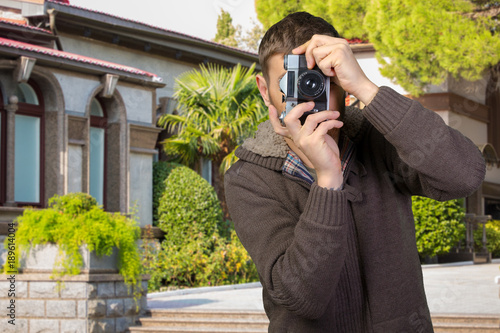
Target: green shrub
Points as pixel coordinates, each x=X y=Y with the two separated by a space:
x=229 y=263
x=492 y=237
x=203 y=261
x=195 y=251
x=438 y=225
x=161 y=170
x=188 y=206
x=151 y=255
x=183 y=264
x=73 y=220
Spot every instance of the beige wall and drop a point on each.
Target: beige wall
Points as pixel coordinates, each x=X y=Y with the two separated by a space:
x=471 y=128
x=167 y=69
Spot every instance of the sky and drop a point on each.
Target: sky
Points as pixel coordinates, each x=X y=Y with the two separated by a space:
x=193 y=17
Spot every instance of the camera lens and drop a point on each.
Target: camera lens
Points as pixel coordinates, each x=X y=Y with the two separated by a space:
x=311 y=84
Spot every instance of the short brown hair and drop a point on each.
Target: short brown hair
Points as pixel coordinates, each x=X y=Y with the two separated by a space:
x=291 y=32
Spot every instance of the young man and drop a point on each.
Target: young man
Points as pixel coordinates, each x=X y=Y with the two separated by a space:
x=324 y=208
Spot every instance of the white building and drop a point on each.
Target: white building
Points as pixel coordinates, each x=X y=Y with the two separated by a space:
x=80 y=94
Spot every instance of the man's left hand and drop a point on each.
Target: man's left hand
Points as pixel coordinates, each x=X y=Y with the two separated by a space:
x=335 y=58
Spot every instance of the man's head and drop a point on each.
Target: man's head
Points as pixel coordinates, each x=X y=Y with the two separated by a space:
x=289 y=33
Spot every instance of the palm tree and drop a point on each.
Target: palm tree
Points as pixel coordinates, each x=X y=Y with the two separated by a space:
x=218 y=108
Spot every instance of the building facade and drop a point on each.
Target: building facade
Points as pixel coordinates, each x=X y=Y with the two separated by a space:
x=81 y=92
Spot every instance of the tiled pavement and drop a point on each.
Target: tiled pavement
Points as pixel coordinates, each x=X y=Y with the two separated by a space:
x=454 y=288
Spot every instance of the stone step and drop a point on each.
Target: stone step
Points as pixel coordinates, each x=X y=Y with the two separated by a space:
x=465 y=318
x=205 y=323
x=465 y=328
x=222 y=321
x=179 y=313
x=191 y=330
x=217 y=321
x=461 y=323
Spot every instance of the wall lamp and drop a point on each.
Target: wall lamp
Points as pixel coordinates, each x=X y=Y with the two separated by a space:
x=109 y=81
x=24 y=68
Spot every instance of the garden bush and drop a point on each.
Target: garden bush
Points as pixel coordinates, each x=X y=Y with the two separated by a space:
x=161 y=170
x=492 y=237
x=204 y=260
x=73 y=220
x=189 y=205
x=230 y=263
x=439 y=225
x=195 y=251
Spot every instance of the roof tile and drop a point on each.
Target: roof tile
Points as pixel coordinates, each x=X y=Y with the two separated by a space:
x=75 y=57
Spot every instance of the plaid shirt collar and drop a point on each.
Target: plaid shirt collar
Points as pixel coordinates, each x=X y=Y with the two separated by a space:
x=294 y=166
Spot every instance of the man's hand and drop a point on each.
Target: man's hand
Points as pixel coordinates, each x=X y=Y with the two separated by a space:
x=313 y=141
x=335 y=58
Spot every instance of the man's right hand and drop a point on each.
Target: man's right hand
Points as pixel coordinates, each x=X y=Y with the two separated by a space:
x=313 y=140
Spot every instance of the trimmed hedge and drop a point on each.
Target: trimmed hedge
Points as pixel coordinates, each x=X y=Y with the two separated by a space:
x=161 y=170
x=189 y=205
x=195 y=251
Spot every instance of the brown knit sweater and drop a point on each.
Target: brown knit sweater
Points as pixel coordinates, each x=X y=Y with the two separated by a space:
x=346 y=261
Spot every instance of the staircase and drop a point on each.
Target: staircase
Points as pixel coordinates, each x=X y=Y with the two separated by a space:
x=222 y=321
x=206 y=321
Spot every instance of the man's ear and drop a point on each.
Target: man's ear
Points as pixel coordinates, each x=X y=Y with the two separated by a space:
x=264 y=91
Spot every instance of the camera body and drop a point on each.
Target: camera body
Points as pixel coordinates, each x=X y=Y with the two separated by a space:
x=301 y=84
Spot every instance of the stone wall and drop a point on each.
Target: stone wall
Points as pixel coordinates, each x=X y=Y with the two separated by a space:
x=82 y=303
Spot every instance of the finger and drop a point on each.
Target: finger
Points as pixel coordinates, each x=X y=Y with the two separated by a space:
x=313 y=120
x=319 y=41
x=307 y=47
x=301 y=49
x=315 y=42
x=292 y=121
x=275 y=122
x=328 y=57
x=319 y=47
x=326 y=126
x=322 y=132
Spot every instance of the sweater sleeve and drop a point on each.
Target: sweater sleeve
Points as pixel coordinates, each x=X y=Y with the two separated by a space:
x=432 y=159
x=299 y=259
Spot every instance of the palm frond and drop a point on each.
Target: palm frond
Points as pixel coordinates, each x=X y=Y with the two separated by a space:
x=218 y=108
x=228 y=161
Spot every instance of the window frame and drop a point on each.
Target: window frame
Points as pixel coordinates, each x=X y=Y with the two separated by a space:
x=38 y=111
x=3 y=151
x=101 y=122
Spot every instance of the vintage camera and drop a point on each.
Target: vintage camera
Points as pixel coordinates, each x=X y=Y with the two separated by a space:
x=301 y=84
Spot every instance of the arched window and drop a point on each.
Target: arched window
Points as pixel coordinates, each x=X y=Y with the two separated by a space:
x=29 y=144
x=97 y=156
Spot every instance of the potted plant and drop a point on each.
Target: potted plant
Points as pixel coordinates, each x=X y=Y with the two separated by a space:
x=73 y=226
